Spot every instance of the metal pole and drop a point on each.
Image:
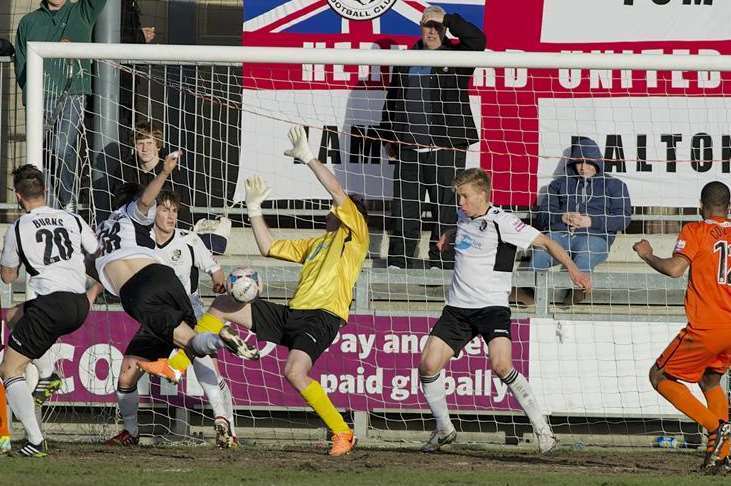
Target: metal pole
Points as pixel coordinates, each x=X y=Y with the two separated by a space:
x=106 y=88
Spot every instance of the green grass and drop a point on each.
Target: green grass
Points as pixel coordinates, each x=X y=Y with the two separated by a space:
x=84 y=464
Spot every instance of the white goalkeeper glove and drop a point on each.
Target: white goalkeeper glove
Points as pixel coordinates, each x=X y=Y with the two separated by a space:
x=300 y=145
x=256 y=193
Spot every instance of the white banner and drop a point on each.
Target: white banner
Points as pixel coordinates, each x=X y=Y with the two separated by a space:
x=649 y=132
x=576 y=21
x=599 y=368
x=359 y=162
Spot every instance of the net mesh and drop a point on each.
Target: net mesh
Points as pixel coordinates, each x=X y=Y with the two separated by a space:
x=664 y=134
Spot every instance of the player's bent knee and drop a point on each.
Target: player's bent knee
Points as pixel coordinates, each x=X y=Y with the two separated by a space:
x=429 y=366
x=502 y=368
x=656 y=376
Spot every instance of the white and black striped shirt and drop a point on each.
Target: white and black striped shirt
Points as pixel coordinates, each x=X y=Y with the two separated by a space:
x=49 y=243
x=484 y=257
x=124 y=235
x=186 y=253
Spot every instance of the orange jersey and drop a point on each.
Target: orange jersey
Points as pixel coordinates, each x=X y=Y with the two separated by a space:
x=707 y=245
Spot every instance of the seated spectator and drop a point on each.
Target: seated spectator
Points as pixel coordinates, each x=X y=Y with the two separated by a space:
x=145 y=162
x=583 y=210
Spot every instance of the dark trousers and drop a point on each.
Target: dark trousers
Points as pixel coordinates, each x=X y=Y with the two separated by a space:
x=415 y=175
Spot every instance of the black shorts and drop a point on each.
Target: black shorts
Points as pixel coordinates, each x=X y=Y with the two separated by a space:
x=310 y=331
x=147 y=345
x=457 y=326
x=156 y=299
x=45 y=319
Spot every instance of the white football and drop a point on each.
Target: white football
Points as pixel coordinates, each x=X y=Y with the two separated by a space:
x=244 y=284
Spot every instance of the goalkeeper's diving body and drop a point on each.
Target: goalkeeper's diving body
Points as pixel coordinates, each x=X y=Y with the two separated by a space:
x=320 y=305
x=477 y=303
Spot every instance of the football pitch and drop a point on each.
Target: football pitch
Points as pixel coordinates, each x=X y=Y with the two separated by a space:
x=88 y=464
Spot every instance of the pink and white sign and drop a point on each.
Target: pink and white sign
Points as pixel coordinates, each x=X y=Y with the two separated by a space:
x=371 y=365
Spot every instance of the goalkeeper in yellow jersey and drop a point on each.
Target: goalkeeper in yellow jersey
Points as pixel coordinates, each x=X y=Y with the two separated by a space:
x=321 y=302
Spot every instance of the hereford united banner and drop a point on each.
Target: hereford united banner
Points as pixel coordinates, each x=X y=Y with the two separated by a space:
x=656 y=129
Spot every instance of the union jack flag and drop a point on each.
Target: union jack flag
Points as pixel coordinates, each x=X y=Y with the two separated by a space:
x=318 y=17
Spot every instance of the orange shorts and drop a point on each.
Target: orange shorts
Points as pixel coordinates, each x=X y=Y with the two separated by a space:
x=693 y=351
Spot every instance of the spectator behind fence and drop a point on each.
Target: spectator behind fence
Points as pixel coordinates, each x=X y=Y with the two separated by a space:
x=427 y=125
x=145 y=162
x=583 y=210
x=66 y=84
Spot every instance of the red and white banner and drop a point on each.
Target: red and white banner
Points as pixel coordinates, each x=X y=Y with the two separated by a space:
x=657 y=129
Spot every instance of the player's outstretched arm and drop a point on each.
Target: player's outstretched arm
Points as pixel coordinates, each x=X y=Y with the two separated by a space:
x=581 y=279
x=301 y=150
x=147 y=200
x=675 y=266
x=256 y=193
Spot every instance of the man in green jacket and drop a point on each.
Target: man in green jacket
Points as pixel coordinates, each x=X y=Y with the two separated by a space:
x=67 y=81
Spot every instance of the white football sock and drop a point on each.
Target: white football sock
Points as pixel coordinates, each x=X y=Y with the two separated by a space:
x=436 y=397
x=208 y=379
x=23 y=407
x=128 y=401
x=522 y=392
x=228 y=403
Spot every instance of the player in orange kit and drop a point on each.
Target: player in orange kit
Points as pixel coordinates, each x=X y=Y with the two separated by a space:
x=701 y=352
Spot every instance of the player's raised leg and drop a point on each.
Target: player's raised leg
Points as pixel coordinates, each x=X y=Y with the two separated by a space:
x=501 y=361
x=434 y=358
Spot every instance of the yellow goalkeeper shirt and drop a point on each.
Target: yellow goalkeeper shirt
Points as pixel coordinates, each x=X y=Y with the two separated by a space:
x=332 y=262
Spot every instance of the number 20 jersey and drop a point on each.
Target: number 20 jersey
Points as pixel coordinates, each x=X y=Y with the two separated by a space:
x=707 y=246
x=125 y=234
x=48 y=242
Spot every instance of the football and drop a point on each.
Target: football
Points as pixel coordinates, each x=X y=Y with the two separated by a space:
x=243 y=284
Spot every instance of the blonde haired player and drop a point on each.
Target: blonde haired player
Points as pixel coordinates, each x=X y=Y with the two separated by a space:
x=320 y=306
x=477 y=304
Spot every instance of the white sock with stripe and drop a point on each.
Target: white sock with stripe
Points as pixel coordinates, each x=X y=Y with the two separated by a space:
x=23 y=407
x=522 y=392
x=128 y=401
x=436 y=397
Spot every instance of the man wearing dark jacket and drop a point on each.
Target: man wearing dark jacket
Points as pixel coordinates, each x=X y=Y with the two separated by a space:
x=143 y=164
x=67 y=81
x=583 y=211
x=427 y=126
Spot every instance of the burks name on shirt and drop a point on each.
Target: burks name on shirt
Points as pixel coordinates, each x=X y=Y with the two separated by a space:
x=40 y=222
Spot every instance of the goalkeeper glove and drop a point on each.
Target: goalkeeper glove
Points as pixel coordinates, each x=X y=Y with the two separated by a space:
x=300 y=146
x=256 y=192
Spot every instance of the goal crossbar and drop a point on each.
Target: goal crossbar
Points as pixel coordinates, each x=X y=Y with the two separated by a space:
x=37 y=51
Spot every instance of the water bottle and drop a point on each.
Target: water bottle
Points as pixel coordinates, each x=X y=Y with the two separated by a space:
x=666 y=442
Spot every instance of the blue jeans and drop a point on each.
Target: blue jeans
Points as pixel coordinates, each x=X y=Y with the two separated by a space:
x=587 y=251
x=64 y=120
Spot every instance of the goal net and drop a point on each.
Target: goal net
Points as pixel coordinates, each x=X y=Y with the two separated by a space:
x=659 y=124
